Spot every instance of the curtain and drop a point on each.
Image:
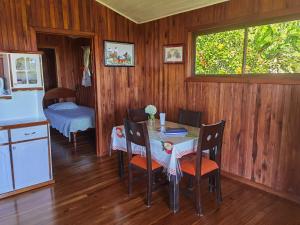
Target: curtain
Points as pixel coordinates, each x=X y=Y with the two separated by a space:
x=86 y=78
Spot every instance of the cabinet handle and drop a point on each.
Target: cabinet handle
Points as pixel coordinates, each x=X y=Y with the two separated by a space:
x=26 y=134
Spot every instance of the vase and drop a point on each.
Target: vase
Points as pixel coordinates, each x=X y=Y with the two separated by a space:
x=151 y=121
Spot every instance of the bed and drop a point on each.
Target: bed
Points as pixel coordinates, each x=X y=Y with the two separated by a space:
x=68 y=121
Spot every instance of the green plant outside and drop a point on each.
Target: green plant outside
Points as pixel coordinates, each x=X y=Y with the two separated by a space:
x=273 y=48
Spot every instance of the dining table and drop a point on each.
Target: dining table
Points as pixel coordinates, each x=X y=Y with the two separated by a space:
x=165 y=149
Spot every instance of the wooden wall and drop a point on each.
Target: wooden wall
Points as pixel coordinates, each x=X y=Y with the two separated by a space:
x=49 y=68
x=116 y=88
x=1 y=67
x=69 y=60
x=262 y=120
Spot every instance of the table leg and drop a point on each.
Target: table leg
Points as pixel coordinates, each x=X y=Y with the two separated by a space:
x=75 y=140
x=174 y=194
x=121 y=163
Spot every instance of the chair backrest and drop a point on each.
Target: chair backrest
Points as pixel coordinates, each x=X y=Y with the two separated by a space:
x=210 y=138
x=190 y=118
x=137 y=133
x=137 y=115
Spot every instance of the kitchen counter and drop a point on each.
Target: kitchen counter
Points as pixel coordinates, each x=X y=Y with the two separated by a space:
x=8 y=124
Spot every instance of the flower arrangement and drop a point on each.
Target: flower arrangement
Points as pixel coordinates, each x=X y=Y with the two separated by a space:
x=151 y=111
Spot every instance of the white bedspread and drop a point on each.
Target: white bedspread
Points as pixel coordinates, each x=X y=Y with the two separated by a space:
x=71 y=120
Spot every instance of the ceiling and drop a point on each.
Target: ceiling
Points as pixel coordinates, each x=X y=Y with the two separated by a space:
x=141 y=11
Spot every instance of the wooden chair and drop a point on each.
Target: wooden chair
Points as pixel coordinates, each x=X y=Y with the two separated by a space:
x=137 y=133
x=137 y=115
x=210 y=138
x=190 y=118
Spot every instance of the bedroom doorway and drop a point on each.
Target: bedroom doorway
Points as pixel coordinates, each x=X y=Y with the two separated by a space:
x=68 y=70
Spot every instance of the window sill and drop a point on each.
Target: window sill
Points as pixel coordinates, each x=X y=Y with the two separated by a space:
x=251 y=79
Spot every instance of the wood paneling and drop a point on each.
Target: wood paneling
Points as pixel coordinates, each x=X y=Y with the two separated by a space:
x=15 y=33
x=116 y=88
x=62 y=14
x=69 y=59
x=1 y=67
x=262 y=119
x=49 y=68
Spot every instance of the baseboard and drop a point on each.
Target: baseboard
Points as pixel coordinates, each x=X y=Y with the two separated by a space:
x=288 y=196
x=19 y=191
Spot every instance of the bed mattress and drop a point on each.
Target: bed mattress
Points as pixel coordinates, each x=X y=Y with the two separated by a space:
x=71 y=120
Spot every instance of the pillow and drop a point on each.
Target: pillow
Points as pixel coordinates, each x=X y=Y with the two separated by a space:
x=63 y=106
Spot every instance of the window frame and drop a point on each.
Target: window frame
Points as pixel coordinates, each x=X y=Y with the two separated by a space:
x=267 y=78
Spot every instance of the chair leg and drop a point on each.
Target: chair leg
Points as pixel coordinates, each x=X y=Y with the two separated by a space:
x=198 y=197
x=149 y=189
x=75 y=140
x=212 y=183
x=190 y=183
x=218 y=187
x=129 y=179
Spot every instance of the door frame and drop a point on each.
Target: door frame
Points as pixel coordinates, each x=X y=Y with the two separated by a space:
x=92 y=37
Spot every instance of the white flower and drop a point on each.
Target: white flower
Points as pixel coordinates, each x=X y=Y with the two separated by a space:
x=151 y=110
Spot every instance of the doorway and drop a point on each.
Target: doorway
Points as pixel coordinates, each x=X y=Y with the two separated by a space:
x=63 y=67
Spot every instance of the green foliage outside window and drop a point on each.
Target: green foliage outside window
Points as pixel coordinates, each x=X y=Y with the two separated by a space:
x=273 y=48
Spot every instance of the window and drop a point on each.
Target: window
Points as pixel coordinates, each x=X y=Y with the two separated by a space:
x=272 y=48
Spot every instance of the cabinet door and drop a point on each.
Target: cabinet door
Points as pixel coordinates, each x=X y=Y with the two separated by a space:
x=31 y=163
x=3 y=137
x=5 y=170
x=26 y=70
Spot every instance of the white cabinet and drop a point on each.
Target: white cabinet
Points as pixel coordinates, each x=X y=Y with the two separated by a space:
x=25 y=157
x=26 y=70
x=27 y=133
x=6 y=181
x=31 y=163
x=3 y=137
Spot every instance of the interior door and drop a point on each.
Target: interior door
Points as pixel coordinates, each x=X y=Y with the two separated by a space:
x=31 y=163
x=6 y=184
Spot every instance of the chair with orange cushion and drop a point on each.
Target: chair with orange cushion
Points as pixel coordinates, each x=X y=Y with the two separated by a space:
x=198 y=167
x=137 y=133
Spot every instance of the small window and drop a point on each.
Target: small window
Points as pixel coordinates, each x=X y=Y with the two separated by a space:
x=266 y=49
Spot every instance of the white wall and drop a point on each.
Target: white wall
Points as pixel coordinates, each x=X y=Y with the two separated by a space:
x=23 y=105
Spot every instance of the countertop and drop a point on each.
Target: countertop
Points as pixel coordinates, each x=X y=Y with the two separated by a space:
x=15 y=123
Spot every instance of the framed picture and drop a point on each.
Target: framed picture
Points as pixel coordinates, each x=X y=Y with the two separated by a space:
x=173 y=53
x=118 y=53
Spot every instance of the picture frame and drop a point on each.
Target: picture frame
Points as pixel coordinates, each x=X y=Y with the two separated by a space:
x=119 y=54
x=173 y=53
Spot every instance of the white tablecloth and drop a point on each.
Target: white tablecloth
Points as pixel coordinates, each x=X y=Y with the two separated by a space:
x=166 y=150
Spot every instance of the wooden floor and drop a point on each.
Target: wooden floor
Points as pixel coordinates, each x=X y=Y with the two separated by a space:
x=88 y=191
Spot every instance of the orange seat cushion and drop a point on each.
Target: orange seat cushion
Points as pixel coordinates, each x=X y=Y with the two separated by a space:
x=141 y=162
x=188 y=165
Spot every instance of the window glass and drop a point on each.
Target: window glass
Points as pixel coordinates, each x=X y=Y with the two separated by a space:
x=272 y=49
x=220 y=53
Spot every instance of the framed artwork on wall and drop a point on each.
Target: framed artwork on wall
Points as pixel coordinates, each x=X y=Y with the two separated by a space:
x=173 y=53
x=118 y=53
